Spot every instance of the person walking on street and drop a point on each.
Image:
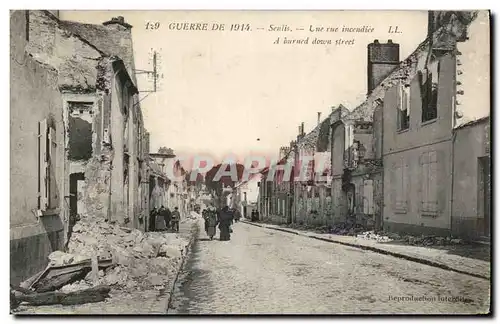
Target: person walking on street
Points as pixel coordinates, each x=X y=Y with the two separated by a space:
x=176 y=218
x=237 y=215
x=210 y=223
x=160 y=219
x=152 y=219
x=225 y=220
x=168 y=217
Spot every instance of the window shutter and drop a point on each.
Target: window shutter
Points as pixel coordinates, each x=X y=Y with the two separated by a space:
x=432 y=199
x=51 y=170
x=441 y=179
x=42 y=165
x=405 y=184
x=393 y=186
x=424 y=180
x=399 y=187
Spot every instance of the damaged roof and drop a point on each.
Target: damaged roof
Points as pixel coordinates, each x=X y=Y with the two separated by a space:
x=452 y=27
x=106 y=39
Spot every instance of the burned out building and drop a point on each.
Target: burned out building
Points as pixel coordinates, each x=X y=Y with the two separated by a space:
x=421 y=108
x=89 y=138
x=408 y=157
x=37 y=160
x=104 y=124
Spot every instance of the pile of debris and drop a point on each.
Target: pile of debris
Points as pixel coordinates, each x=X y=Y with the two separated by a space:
x=347 y=228
x=371 y=235
x=431 y=240
x=142 y=259
x=102 y=256
x=422 y=240
x=193 y=215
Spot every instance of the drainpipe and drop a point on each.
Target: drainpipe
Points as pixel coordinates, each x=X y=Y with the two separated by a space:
x=453 y=138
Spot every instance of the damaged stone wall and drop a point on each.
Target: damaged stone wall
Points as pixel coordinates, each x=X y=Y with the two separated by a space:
x=74 y=58
x=473 y=73
x=34 y=98
x=97 y=165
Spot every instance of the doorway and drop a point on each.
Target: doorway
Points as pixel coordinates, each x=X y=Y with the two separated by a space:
x=484 y=197
x=76 y=191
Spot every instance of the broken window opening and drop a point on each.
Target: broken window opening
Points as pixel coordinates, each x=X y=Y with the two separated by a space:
x=404 y=107
x=80 y=130
x=429 y=82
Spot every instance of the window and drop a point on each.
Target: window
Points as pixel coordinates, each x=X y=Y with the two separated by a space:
x=429 y=81
x=400 y=188
x=429 y=183
x=404 y=107
x=47 y=156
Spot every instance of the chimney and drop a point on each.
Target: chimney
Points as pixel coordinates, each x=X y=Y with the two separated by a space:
x=55 y=13
x=302 y=128
x=430 y=23
x=117 y=21
x=319 y=117
x=383 y=58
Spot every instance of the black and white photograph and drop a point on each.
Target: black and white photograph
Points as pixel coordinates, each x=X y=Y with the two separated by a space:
x=250 y=162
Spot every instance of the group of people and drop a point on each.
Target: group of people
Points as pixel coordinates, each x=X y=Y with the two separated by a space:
x=224 y=218
x=163 y=219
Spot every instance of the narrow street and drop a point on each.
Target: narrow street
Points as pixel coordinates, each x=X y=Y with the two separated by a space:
x=267 y=272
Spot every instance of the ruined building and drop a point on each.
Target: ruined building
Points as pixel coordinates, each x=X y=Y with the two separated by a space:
x=88 y=138
x=414 y=157
x=37 y=160
x=422 y=106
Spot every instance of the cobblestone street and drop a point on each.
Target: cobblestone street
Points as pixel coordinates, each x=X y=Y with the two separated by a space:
x=261 y=271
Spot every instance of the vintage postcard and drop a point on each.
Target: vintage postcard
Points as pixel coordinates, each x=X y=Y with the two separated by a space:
x=250 y=162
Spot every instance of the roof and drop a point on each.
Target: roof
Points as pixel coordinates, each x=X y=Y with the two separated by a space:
x=474 y=122
x=106 y=39
x=452 y=27
x=161 y=155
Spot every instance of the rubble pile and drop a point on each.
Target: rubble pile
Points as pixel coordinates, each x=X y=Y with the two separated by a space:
x=347 y=228
x=431 y=240
x=361 y=232
x=422 y=240
x=371 y=235
x=193 y=215
x=141 y=260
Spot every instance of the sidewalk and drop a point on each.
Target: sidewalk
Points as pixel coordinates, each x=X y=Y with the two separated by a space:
x=452 y=258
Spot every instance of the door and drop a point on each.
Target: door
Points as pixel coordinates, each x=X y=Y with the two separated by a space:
x=484 y=165
x=76 y=182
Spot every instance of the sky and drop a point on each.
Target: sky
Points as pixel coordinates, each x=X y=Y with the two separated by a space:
x=223 y=90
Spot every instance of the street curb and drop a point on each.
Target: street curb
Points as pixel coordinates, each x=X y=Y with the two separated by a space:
x=195 y=229
x=381 y=251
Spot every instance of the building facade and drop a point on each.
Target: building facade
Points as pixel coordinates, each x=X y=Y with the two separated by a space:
x=402 y=159
x=38 y=206
x=88 y=137
x=419 y=113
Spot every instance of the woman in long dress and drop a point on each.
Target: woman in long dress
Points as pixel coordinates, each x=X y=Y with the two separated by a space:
x=225 y=220
x=211 y=223
x=160 y=220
